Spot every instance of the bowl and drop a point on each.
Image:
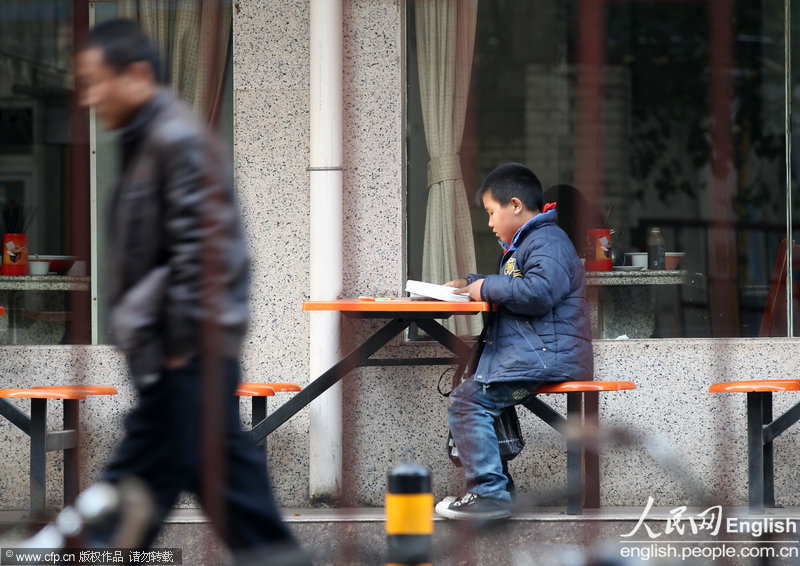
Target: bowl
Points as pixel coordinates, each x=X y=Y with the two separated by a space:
x=38 y=266
x=672 y=260
x=58 y=263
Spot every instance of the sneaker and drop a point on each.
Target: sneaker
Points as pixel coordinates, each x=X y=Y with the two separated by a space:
x=445 y=502
x=474 y=507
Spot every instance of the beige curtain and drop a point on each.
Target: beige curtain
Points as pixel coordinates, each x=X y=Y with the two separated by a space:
x=193 y=37
x=445 y=45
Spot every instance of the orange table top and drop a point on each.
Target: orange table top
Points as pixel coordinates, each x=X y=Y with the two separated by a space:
x=396 y=305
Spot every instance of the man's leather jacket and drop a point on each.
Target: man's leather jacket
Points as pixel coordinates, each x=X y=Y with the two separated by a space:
x=178 y=268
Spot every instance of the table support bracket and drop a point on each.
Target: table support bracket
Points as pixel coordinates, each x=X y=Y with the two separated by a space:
x=354 y=359
x=15 y=416
x=782 y=423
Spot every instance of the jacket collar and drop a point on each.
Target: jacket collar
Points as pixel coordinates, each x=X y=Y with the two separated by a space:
x=134 y=131
x=541 y=219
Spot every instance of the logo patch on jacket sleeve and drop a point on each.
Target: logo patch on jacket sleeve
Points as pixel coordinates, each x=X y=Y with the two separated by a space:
x=510 y=268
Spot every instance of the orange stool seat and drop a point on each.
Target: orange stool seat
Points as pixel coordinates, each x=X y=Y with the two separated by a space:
x=83 y=389
x=259 y=392
x=254 y=390
x=49 y=393
x=756 y=386
x=277 y=387
x=586 y=386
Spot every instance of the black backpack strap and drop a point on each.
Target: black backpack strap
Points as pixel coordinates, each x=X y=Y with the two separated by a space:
x=467 y=365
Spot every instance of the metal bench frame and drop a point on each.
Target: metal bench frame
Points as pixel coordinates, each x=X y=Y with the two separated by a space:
x=762 y=430
x=583 y=462
x=44 y=441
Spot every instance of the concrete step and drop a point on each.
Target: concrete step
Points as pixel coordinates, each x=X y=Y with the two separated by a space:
x=356 y=536
x=540 y=536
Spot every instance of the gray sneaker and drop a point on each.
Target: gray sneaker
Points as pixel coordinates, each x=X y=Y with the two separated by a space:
x=474 y=507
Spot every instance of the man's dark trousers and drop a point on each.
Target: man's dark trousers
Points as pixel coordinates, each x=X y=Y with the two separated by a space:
x=163 y=447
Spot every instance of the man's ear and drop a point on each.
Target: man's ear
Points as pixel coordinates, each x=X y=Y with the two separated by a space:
x=142 y=71
x=517 y=204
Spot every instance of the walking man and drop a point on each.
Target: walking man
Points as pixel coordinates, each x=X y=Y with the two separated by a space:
x=178 y=294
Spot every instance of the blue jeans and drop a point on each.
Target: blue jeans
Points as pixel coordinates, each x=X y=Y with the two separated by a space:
x=473 y=408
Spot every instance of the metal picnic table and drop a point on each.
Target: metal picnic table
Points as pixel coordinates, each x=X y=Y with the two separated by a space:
x=400 y=313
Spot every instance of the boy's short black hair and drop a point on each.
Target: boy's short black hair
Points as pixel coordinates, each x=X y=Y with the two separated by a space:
x=512 y=180
x=123 y=43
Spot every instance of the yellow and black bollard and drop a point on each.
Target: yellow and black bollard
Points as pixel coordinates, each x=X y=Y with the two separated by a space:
x=409 y=516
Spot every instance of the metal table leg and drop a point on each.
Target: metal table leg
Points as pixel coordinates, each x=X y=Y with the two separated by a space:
x=755 y=450
x=38 y=463
x=71 y=457
x=769 y=468
x=575 y=447
x=258 y=413
x=591 y=420
x=444 y=337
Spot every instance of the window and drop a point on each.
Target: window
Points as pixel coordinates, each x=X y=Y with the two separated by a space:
x=41 y=175
x=181 y=32
x=57 y=165
x=634 y=115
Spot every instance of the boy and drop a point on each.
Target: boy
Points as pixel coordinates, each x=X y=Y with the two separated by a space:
x=539 y=333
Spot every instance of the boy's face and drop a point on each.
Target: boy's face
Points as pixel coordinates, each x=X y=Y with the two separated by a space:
x=504 y=220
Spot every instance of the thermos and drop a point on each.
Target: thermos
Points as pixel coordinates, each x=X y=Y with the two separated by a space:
x=656 y=249
x=15 y=254
x=598 y=249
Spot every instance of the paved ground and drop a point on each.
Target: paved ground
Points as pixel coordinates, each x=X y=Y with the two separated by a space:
x=541 y=536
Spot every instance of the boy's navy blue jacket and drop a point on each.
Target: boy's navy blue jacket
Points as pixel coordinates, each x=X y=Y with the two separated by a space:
x=540 y=330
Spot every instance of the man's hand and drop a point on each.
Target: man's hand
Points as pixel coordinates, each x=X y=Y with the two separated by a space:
x=473 y=290
x=457 y=283
x=177 y=362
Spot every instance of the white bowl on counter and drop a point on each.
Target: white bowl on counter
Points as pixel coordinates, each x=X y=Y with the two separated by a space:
x=38 y=266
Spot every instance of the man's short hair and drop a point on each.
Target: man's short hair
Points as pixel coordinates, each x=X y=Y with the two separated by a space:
x=512 y=180
x=123 y=43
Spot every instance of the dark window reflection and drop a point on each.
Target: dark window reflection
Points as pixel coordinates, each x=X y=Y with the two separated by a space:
x=661 y=155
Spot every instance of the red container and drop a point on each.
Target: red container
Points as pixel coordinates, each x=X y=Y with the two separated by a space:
x=15 y=254
x=598 y=246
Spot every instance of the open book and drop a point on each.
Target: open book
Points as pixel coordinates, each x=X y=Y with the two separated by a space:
x=433 y=291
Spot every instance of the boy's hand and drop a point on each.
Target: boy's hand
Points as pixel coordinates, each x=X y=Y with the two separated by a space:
x=457 y=283
x=473 y=290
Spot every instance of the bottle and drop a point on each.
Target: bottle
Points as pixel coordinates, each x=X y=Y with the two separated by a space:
x=656 y=249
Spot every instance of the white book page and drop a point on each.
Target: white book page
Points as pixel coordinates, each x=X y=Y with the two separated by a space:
x=434 y=291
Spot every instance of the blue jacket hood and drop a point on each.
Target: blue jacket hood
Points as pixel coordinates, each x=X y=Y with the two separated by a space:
x=541 y=219
x=540 y=330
